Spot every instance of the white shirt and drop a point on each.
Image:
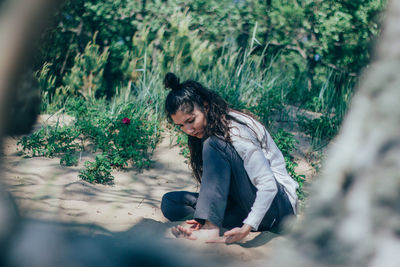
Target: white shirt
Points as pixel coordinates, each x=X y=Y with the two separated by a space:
x=263 y=161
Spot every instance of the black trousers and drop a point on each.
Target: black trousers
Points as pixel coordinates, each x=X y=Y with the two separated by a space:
x=226 y=192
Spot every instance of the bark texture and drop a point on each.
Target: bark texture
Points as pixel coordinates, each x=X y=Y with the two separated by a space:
x=353 y=217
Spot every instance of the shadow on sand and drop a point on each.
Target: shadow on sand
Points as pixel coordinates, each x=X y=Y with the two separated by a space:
x=46 y=243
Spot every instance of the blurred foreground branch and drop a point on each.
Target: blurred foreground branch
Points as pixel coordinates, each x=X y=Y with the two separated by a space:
x=21 y=22
x=353 y=215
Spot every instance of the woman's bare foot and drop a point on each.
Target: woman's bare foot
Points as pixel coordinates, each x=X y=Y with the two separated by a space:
x=208 y=231
x=181 y=232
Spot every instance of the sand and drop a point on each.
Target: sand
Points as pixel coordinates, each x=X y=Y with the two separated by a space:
x=45 y=190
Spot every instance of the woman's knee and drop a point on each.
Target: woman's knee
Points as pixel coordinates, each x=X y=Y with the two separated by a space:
x=214 y=144
x=167 y=202
x=213 y=141
x=177 y=205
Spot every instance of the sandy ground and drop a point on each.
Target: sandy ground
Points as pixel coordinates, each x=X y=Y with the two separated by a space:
x=45 y=190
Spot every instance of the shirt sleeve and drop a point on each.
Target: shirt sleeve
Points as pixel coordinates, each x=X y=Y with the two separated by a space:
x=257 y=166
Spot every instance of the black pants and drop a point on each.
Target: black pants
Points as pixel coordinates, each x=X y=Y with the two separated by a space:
x=226 y=192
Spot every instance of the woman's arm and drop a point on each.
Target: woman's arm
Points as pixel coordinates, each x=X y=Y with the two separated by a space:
x=258 y=169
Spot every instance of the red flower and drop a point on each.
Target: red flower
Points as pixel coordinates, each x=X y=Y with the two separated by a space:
x=126 y=121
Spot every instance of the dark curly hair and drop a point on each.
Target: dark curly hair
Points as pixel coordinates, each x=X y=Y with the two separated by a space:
x=185 y=96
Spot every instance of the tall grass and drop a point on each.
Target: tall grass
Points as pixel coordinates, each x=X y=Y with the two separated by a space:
x=332 y=103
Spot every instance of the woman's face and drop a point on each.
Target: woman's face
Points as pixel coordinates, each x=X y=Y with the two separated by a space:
x=193 y=123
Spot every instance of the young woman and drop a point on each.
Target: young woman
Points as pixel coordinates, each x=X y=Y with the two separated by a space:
x=244 y=184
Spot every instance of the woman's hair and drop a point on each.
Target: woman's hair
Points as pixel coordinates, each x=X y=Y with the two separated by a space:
x=184 y=97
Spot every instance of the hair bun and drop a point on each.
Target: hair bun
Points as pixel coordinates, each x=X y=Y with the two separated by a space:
x=171 y=81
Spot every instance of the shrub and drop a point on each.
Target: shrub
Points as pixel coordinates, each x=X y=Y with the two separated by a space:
x=287 y=143
x=98 y=171
x=69 y=159
x=50 y=141
x=124 y=133
x=321 y=129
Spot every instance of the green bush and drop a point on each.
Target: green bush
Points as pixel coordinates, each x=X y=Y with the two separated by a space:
x=98 y=171
x=287 y=143
x=125 y=133
x=50 y=141
x=69 y=159
x=321 y=130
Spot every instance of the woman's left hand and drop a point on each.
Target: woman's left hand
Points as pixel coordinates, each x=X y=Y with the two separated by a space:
x=234 y=235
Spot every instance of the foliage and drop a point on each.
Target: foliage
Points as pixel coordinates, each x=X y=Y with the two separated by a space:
x=103 y=61
x=47 y=83
x=320 y=129
x=86 y=75
x=125 y=132
x=287 y=144
x=306 y=38
x=182 y=141
x=98 y=171
x=266 y=52
x=69 y=159
x=50 y=141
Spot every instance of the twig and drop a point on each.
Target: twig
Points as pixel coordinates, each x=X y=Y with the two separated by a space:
x=140 y=203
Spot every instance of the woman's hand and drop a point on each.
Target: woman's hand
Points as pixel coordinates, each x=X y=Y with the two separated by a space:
x=195 y=225
x=185 y=232
x=234 y=235
x=197 y=231
x=237 y=234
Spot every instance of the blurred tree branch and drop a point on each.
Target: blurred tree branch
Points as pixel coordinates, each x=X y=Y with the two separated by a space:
x=21 y=23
